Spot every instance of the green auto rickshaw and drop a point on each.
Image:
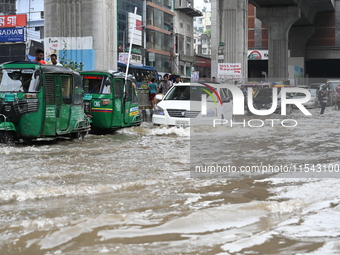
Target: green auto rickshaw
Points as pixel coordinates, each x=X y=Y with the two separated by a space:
x=110 y=100
x=40 y=101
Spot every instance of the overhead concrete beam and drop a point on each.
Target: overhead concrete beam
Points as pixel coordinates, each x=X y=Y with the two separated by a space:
x=309 y=8
x=298 y=37
x=278 y=22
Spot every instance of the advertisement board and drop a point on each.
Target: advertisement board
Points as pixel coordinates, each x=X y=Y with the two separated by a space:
x=137 y=25
x=13 y=20
x=229 y=70
x=12 y=34
x=258 y=54
x=71 y=49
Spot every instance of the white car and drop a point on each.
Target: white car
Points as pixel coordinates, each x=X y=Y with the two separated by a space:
x=183 y=106
x=313 y=101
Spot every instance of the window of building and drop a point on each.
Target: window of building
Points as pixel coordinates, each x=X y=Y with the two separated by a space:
x=168 y=22
x=162 y=64
x=188 y=26
x=181 y=68
x=181 y=44
x=168 y=4
x=181 y=23
x=188 y=71
x=163 y=3
x=159 y=41
x=188 y=46
x=204 y=50
x=158 y=18
x=149 y=14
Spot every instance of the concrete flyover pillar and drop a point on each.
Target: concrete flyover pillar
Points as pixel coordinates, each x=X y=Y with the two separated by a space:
x=278 y=21
x=298 y=37
x=84 y=18
x=229 y=27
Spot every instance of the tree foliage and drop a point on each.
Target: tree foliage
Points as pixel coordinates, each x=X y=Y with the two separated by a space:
x=208 y=33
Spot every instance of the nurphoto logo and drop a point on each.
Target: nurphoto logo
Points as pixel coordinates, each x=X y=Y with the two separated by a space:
x=238 y=105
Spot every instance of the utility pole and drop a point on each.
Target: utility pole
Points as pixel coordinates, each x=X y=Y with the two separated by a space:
x=171 y=29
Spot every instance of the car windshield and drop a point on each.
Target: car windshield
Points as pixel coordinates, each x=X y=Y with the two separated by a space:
x=96 y=84
x=264 y=93
x=312 y=92
x=19 y=80
x=194 y=93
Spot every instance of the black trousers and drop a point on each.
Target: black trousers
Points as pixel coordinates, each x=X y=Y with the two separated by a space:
x=323 y=107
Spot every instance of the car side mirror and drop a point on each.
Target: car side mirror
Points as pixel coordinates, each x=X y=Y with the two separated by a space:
x=159 y=97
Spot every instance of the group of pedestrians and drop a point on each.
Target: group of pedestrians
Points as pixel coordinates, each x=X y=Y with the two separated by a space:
x=39 y=57
x=162 y=88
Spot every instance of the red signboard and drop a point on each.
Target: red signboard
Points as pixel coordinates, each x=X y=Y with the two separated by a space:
x=204 y=62
x=13 y=20
x=139 y=25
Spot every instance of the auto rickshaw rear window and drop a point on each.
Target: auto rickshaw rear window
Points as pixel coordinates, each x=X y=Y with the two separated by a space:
x=19 y=80
x=96 y=84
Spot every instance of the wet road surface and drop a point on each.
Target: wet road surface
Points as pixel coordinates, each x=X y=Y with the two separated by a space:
x=132 y=193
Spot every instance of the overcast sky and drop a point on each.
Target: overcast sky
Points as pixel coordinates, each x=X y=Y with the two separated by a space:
x=199 y=4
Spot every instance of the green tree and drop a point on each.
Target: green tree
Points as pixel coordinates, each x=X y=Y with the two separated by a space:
x=208 y=33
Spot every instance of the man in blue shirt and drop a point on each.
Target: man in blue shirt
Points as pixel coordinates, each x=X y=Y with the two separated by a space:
x=153 y=90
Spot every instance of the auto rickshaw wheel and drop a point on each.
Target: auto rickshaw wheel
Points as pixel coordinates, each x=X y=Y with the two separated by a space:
x=7 y=137
x=78 y=136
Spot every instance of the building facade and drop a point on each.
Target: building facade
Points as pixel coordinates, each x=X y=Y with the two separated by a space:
x=202 y=41
x=34 y=9
x=125 y=18
x=317 y=58
x=184 y=37
x=202 y=28
x=7 y=7
x=159 y=41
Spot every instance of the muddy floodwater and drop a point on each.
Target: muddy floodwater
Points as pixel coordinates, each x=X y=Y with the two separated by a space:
x=132 y=193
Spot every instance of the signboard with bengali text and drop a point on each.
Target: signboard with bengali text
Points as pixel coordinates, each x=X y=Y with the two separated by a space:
x=13 y=20
x=230 y=70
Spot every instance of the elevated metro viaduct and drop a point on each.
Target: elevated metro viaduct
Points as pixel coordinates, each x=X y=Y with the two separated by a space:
x=289 y=23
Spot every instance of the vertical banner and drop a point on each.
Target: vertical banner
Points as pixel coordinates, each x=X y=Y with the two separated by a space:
x=195 y=76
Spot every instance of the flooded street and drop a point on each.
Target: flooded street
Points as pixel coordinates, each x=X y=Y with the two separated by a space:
x=132 y=193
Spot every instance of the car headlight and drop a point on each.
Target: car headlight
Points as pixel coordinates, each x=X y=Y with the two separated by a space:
x=211 y=113
x=158 y=111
